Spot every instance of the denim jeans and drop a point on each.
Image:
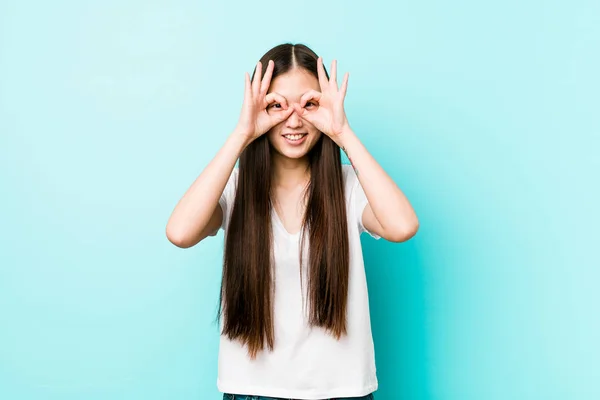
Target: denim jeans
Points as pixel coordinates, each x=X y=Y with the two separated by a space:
x=228 y=396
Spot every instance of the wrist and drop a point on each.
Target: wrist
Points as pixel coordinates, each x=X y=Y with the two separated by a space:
x=241 y=131
x=346 y=135
x=240 y=140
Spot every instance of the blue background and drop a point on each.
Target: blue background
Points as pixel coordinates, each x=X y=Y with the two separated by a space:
x=486 y=114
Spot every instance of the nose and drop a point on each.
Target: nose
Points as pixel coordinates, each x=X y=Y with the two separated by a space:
x=294 y=120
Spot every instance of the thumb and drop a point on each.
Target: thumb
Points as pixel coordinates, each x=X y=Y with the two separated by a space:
x=302 y=113
x=283 y=115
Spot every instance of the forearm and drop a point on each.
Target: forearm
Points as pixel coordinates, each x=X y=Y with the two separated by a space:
x=390 y=206
x=194 y=210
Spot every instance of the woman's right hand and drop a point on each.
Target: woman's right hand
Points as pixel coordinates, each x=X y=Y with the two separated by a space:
x=255 y=119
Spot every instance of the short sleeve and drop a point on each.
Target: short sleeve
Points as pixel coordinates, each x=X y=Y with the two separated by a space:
x=227 y=197
x=358 y=200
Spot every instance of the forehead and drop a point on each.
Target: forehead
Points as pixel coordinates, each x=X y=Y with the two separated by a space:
x=294 y=83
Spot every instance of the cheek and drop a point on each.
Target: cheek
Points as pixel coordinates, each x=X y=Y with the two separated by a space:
x=276 y=130
x=314 y=132
x=316 y=136
x=273 y=135
x=312 y=129
x=273 y=132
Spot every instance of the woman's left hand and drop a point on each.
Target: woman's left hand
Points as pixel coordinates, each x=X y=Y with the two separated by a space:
x=325 y=109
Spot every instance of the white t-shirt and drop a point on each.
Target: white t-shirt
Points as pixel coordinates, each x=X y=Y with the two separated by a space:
x=306 y=363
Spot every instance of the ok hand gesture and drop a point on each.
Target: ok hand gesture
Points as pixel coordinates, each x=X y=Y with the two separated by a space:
x=329 y=117
x=254 y=118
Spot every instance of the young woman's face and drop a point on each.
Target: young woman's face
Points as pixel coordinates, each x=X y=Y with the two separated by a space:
x=294 y=137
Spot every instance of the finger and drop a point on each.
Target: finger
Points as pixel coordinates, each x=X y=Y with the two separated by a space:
x=303 y=113
x=283 y=115
x=267 y=79
x=333 y=74
x=257 y=78
x=308 y=119
x=321 y=74
x=310 y=95
x=345 y=84
x=299 y=109
x=274 y=97
x=276 y=118
x=247 y=86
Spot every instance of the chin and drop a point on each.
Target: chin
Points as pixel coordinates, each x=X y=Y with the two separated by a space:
x=292 y=154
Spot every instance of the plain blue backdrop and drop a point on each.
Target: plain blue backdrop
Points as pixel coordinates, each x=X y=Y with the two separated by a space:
x=486 y=114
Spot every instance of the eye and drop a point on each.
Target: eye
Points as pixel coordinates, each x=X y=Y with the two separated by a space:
x=275 y=105
x=310 y=104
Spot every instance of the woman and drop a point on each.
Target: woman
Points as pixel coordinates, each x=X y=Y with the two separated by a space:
x=294 y=306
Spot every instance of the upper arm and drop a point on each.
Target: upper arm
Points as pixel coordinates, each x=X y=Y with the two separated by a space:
x=363 y=217
x=220 y=216
x=215 y=222
x=211 y=229
x=370 y=223
x=217 y=218
x=367 y=222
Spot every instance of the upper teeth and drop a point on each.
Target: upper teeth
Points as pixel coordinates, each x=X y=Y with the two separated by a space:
x=294 y=137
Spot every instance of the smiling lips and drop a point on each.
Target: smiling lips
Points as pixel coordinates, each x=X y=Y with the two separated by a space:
x=295 y=138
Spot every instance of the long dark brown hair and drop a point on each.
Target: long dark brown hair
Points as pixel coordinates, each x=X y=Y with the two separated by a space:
x=247 y=288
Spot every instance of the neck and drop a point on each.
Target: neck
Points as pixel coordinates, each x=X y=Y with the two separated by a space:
x=290 y=172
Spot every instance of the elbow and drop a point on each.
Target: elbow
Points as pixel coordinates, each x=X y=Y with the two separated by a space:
x=404 y=233
x=177 y=238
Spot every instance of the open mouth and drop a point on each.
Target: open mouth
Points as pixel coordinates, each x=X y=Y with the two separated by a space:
x=295 y=138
